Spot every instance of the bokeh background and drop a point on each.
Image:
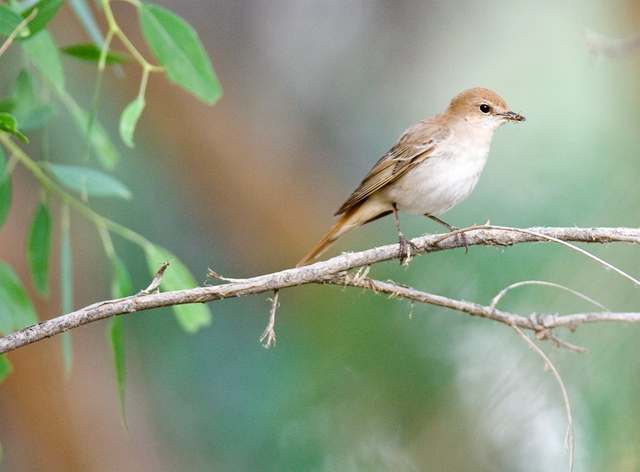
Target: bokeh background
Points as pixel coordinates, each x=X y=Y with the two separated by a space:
x=314 y=93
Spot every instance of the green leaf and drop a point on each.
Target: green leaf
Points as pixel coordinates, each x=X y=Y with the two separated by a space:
x=5 y=189
x=83 y=12
x=16 y=310
x=116 y=336
x=9 y=124
x=5 y=369
x=46 y=10
x=100 y=142
x=39 y=248
x=9 y=21
x=91 y=52
x=177 y=47
x=191 y=317
x=38 y=118
x=7 y=104
x=129 y=119
x=120 y=288
x=44 y=53
x=121 y=285
x=27 y=110
x=23 y=94
x=96 y=183
x=66 y=283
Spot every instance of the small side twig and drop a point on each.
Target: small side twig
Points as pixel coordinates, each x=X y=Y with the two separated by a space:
x=157 y=280
x=503 y=292
x=269 y=333
x=570 y=438
x=17 y=31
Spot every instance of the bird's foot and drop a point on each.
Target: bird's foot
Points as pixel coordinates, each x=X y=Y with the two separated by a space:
x=405 y=247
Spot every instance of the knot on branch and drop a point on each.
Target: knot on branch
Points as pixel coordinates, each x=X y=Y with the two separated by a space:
x=543 y=326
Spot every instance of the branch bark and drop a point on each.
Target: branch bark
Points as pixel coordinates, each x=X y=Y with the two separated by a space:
x=334 y=271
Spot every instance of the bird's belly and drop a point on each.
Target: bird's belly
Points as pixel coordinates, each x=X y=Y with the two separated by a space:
x=437 y=184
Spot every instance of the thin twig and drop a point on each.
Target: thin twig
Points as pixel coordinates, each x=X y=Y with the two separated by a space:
x=570 y=437
x=555 y=240
x=17 y=31
x=269 y=333
x=157 y=280
x=503 y=292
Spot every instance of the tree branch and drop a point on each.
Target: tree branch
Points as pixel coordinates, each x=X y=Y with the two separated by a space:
x=334 y=271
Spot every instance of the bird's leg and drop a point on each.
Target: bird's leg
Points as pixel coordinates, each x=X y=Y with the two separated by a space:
x=405 y=244
x=451 y=228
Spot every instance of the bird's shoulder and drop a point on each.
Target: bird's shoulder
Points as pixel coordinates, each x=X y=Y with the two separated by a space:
x=414 y=146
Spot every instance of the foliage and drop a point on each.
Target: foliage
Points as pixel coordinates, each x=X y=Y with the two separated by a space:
x=36 y=96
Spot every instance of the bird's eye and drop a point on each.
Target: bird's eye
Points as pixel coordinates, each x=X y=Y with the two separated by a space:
x=484 y=108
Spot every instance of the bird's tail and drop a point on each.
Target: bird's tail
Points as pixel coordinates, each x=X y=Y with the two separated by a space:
x=358 y=215
x=340 y=228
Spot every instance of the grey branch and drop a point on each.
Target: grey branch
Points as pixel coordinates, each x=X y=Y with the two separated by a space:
x=335 y=271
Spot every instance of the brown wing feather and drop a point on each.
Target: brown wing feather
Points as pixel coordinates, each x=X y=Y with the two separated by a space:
x=413 y=147
x=397 y=162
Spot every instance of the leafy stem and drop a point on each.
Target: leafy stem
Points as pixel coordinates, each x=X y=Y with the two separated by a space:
x=48 y=183
x=114 y=29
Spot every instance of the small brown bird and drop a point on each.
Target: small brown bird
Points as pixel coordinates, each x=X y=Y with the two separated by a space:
x=434 y=166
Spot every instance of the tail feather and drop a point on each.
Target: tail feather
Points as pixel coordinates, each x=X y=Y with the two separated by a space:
x=359 y=214
x=334 y=233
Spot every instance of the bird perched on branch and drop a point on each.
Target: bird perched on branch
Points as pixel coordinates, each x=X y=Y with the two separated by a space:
x=434 y=166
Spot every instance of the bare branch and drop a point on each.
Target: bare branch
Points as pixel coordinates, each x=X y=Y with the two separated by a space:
x=334 y=271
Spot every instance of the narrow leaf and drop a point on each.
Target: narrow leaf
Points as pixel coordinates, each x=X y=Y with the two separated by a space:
x=26 y=107
x=5 y=189
x=39 y=248
x=15 y=306
x=44 y=53
x=120 y=287
x=9 y=21
x=191 y=317
x=116 y=336
x=83 y=12
x=100 y=142
x=66 y=285
x=7 y=104
x=91 y=53
x=9 y=124
x=38 y=118
x=96 y=183
x=177 y=47
x=23 y=94
x=129 y=119
x=46 y=11
x=5 y=369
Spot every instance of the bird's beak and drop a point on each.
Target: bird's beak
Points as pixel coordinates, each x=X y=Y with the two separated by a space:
x=511 y=116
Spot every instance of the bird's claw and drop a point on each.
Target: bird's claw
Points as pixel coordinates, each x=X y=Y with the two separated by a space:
x=405 y=248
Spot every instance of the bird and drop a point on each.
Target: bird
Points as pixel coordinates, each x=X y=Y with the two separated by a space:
x=435 y=165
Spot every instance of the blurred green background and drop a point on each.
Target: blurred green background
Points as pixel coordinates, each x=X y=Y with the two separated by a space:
x=314 y=93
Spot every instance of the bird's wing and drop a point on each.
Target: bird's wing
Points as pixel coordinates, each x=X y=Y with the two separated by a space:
x=400 y=159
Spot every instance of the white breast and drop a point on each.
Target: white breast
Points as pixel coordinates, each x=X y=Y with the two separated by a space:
x=439 y=183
